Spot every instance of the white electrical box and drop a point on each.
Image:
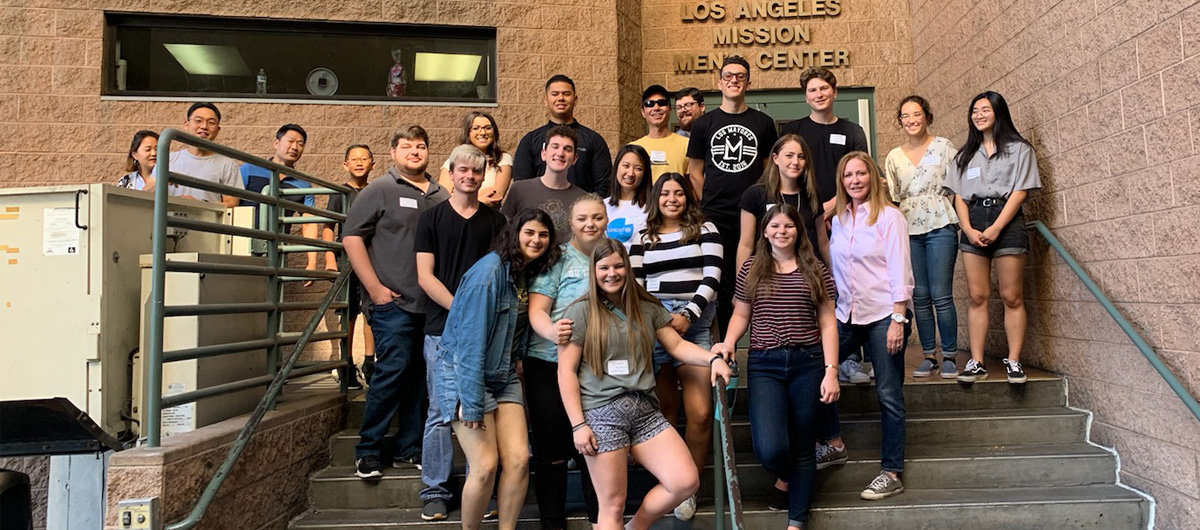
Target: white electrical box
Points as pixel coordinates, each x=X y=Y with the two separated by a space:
x=192 y=331
x=70 y=290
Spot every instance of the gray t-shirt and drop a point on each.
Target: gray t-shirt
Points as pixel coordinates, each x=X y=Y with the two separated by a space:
x=622 y=371
x=996 y=177
x=531 y=193
x=385 y=215
x=213 y=168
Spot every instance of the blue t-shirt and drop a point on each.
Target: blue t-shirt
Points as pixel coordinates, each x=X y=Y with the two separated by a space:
x=257 y=179
x=565 y=282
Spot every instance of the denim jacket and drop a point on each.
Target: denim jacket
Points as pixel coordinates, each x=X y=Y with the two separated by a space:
x=477 y=344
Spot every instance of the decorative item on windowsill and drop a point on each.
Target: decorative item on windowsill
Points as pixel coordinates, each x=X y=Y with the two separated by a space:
x=321 y=82
x=396 y=81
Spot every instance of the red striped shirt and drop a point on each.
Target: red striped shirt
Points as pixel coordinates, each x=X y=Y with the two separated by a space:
x=786 y=316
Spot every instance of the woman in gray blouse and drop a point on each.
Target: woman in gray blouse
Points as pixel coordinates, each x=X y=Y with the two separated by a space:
x=990 y=179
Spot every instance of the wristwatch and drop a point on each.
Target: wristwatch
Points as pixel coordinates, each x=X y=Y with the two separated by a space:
x=899 y=318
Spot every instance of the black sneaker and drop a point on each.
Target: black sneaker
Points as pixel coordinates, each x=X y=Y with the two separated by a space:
x=435 y=510
x=493 y=509
x=353 y=383
x=402 y=462
x=368 y=467
x=973 y=372
x=1015 y=374
x=777 y=500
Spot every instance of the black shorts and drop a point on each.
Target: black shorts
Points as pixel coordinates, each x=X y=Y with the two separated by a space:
x=354 y=297
x=1013 y=239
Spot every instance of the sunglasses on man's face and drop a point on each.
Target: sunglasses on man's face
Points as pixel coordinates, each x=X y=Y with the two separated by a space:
x=651 y=103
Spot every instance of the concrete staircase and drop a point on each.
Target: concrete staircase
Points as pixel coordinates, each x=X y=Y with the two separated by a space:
x=981 y=457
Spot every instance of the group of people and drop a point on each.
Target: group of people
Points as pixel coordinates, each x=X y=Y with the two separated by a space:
x=587 y=300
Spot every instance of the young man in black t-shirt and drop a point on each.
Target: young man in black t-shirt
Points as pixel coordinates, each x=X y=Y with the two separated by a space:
x=450 y=238
x=727 y=151
x=828 y=137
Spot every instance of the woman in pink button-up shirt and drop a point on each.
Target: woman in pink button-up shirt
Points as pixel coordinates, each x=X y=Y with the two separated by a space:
x=871 y=267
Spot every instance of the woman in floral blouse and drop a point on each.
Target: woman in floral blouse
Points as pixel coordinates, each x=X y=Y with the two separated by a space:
x=915 y=172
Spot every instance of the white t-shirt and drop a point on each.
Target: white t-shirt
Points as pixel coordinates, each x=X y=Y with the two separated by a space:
x=213 y=168
x=624 y=220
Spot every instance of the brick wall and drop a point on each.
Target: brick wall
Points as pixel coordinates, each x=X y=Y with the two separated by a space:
x=1109 y=94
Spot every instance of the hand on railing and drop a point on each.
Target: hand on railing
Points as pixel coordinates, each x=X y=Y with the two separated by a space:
x=719 y=369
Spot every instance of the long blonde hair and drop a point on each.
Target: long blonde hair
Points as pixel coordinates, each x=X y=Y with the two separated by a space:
x=876 y=192
x=601 y=318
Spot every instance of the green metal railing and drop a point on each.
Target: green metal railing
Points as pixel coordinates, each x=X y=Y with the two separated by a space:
x=1189 y=401
x=275 y=206
x=725 y=478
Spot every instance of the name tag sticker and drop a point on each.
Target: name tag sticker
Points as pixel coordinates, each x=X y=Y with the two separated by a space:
x=620 y=367
x=930 y=160
x=972 y=173
x=574 y=273
x=406 y=202
x=838 y=139
x=653 y=285
x=658 y=157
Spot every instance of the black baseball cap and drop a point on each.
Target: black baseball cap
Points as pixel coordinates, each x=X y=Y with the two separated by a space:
x=655 y=90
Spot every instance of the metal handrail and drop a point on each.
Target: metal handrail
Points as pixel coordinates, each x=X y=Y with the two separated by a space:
x=275 y=273
x=725 y=478
x=1189 y=400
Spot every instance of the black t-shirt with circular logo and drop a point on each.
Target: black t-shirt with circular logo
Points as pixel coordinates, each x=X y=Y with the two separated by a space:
x=733 y=147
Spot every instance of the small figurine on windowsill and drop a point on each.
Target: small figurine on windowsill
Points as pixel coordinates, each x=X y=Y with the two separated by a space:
x=396 y=82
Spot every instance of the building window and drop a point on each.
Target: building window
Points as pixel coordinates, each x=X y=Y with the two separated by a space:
x=217 y=58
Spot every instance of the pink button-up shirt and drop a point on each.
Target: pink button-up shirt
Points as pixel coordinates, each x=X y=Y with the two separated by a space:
x=871 y=265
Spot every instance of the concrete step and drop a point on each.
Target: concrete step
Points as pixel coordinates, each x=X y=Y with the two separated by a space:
x=933 y=395
x=927 y=467
x=1105 y=507
x=939 y=428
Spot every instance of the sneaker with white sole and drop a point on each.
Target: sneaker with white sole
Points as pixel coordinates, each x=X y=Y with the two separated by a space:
x=1015 y=374
x=925 y=368
x=852 y=372
x=434 y=510
x=369 y=467
x=403 y=462
x=828 y=455
x=949 y=369
x=882 y=487
x=686 y=509
x=974 y=371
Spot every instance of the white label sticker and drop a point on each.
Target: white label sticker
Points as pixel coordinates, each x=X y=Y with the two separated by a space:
x=620 y=367
x=972 y=173
x=406 y=202
x=60 y=236
x=653 y=285
x=930 y=160
x=838 y=139
x=658 y=157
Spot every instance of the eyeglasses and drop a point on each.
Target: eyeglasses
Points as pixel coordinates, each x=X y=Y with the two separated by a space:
x=358 y=160
x=483 y=128
x=981 y=112
x=651 y=103
x=729 y=76
x=211 y=122
x=686 y=106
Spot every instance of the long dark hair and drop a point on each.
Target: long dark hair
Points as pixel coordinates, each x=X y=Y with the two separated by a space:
x=691 y=220
x=130 y=163
x=1003 y=131
x=642 y=195
x=493 y=152
x=760 y=280
x=771 y=177
x=508 y=244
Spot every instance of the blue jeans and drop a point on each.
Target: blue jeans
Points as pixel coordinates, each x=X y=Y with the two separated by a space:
x=699 y=333
x=398 y=384
x=889 y=385
x=437 y=455
x=786 y=383
x=933 y=256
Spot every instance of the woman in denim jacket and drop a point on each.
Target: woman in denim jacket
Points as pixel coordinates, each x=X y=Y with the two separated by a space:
x=484 y=339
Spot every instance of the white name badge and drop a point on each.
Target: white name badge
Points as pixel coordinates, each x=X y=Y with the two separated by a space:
x=620 y=367
x=658 y=157
x=972 y=173
x=574 y=273
x=653 y=285
x=837 y=139
x=406 y=202
x=930 y=160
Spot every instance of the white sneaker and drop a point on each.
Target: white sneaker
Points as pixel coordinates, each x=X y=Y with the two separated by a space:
x=686 y=509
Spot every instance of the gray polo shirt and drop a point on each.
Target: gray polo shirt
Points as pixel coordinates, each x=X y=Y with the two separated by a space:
x=385 y=215
x=622 y=371
x=996 y=177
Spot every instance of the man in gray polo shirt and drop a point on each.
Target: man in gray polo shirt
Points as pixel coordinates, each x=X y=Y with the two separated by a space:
x=378 y=236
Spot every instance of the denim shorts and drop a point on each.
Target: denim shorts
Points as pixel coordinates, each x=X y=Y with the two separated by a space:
x=629 y=420
x=699 y=333
x=510 y=392
x=1012 y=241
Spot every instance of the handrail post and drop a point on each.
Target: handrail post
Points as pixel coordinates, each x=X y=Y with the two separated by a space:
x=158 y=282
x=274 y=285
x=718 y=461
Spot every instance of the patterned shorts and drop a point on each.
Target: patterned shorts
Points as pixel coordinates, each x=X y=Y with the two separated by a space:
x=629 y=420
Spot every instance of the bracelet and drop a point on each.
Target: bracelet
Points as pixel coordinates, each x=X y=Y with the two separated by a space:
x=714 y=359
x=828 y=366
x=580 y=425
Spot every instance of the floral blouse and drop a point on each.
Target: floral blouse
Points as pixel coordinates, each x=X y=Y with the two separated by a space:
x=918 y=189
